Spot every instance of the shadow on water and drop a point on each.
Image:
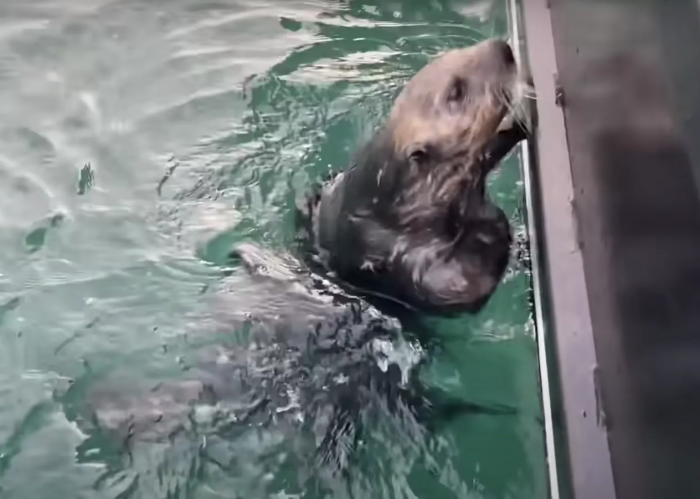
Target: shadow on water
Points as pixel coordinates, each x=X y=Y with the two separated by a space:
x=166 y=370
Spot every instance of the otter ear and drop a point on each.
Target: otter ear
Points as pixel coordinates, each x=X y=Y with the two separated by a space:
x=417 y=154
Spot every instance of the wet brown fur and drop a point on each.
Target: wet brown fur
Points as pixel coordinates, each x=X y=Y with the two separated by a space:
x=410 y=220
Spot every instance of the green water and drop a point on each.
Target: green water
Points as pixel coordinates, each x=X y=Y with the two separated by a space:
x=138 y=140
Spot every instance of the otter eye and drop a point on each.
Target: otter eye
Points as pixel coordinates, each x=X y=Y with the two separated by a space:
x=417 y=154
x=457 y=91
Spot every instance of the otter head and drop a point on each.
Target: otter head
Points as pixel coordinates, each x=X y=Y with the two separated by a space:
x=449 y=115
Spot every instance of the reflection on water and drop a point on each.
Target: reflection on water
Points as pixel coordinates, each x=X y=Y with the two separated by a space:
x=140 y=140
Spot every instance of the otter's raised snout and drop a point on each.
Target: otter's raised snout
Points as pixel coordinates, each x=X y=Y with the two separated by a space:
x=494 y=61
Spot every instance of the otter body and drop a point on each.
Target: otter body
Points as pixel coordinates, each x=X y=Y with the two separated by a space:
x=410 y=220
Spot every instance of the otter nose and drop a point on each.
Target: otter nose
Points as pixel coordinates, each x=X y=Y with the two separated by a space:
x=505 y=51
x=498 y=50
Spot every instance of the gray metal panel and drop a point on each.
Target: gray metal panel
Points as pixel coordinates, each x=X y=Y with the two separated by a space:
x=567 y=314
x=629 y=74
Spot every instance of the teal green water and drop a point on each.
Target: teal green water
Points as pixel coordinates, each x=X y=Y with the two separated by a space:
x=138 y=140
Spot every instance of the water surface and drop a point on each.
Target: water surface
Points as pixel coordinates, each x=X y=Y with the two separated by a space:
x=138 y=141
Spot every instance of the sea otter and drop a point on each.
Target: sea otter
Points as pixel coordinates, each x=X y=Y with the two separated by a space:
x=411 y=220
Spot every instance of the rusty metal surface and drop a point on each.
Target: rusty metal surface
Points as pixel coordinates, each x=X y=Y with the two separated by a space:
x=628 y=72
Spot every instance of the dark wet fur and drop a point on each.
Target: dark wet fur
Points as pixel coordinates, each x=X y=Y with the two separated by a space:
x=383 y=287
